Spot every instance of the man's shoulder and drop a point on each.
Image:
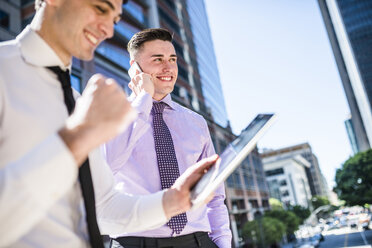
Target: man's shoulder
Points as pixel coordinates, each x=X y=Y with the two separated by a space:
x=8 y=49
x=190 y=113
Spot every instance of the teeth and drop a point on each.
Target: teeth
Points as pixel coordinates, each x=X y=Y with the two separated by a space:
x=91 y=38
x=166 y=78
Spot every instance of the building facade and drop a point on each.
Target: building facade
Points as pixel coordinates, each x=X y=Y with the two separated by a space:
x=247 y=193
x=207 y=62
x=313 y=173
x=349 y=27
x=287 y=176
x=351 y=135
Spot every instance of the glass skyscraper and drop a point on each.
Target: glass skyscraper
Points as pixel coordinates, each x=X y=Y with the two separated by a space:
x=211 y=85
x=349 y=27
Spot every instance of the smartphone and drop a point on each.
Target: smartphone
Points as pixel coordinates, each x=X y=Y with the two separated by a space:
x=133 y=69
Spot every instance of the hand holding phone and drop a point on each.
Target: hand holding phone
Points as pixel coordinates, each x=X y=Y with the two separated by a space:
x=133 y=69
x=140 y=81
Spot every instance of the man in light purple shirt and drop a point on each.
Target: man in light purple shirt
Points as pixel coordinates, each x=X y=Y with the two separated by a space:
x=132 y=156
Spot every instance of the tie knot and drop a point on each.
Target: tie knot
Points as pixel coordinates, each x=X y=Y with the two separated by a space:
x=158 y=107
x=63 y=76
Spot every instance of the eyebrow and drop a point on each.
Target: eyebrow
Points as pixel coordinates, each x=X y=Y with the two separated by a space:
x=108 y=3
x=117 y=19
x=161 y=55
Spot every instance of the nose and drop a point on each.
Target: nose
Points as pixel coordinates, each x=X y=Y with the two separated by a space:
x=106 y=27
x=168 y=66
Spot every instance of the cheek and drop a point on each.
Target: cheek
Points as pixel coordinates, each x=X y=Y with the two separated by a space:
x=147 y=68
x=175 y=69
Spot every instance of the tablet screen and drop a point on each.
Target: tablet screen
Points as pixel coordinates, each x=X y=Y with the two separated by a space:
x=238 y=145
x=230 y=158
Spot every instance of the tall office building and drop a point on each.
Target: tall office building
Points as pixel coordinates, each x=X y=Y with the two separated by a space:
x=288 y=176
x=351 y=134
x=207 y=63
x=349 y=27
x=313 y=173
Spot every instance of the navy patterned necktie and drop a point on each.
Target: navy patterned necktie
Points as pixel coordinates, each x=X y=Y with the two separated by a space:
x=85 y=176
x=167 y=161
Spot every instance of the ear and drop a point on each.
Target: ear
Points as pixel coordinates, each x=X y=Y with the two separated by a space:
x=131 y=62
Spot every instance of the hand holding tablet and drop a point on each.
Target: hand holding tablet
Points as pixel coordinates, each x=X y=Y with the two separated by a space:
x=230 y=158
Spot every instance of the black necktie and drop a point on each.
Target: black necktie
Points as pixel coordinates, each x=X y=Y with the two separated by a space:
x=84 y=171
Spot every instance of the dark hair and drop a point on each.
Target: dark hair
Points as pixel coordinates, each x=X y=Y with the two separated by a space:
x=138 y=39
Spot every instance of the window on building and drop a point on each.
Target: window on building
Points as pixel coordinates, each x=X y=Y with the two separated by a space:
x=238 y=204
x=27 y=21
x=114 y=53
x=4 y=19
x=76 y=82
x=176 y=90
x=230 y=181
x=265 y=203
x=233 y=180
x=254 y=203
x=274 y=172
x=126 y=30
x=178 y=48
x=283 y=182
x=171 y=4
x=135 y=10
x=24 y=2
x=183 y=73
x=169 y=21
x=285 y=193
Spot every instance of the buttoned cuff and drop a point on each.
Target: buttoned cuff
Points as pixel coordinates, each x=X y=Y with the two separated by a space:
x=152 y=208
x=223 y=242
x=143 y=103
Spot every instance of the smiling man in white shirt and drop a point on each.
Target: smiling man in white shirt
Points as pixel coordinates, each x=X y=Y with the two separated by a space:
x=42 y=147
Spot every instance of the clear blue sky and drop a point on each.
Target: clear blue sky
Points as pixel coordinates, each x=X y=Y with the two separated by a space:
x=275 y=56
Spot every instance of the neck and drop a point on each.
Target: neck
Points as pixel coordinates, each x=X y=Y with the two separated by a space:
x=158 y=98
x=42 y=25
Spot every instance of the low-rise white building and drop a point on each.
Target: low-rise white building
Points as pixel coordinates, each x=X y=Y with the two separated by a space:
x=287 y=180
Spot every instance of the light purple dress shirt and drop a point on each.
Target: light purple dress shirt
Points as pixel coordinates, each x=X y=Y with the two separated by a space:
x=132 y=158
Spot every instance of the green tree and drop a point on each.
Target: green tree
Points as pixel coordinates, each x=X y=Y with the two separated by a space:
x=354 y=179
x=319 y=201
x=289 y=219
x=301 y=212
x=275 y=204
x=273 y=231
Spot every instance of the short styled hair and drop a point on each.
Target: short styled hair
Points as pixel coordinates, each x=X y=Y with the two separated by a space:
x=136 y=42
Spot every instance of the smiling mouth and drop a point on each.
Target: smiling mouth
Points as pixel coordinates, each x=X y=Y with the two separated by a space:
x=91 y=38
x=165 y=78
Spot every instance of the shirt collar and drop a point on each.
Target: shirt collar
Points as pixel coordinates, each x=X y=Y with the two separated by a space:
x=36 y=51
x=168 y=100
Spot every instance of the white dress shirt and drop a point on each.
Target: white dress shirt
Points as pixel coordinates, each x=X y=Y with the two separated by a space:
x=40 y=197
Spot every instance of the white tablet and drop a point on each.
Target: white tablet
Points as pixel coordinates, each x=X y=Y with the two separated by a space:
x=231 y=157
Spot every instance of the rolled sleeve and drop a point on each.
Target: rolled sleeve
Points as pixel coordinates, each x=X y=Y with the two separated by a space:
x=136 y=213
x=119 y=212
